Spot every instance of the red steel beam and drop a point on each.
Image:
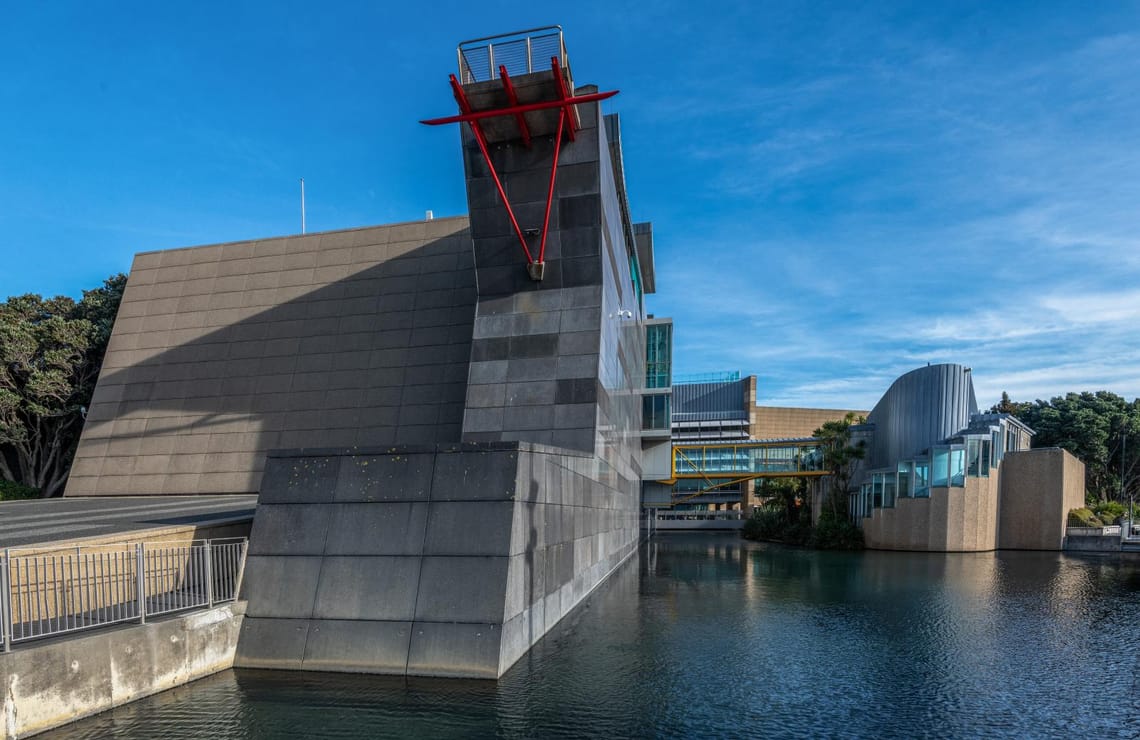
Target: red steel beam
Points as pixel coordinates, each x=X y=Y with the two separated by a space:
x=469 y=117
x=513 y=99
x=562 y=116
x=560 y=84
x=465 y=106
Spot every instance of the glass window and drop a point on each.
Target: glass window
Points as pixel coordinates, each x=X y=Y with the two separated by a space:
x=904 y=478
x=986 y=462
x=921 y=478
x=877 y=490
x=658 y=355
x=973 y=458
x=940 y=468
x=889 y=487
x=958 y=467
x=655 y=411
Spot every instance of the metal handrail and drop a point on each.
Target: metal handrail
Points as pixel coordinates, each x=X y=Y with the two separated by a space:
x=521 y=52
x=58 y=591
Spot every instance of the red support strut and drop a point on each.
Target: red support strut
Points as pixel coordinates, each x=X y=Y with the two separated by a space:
x=465 y=106
x=513 y=99
x=567 y=124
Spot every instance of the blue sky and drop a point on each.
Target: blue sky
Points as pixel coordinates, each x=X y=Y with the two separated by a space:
x=840 y=192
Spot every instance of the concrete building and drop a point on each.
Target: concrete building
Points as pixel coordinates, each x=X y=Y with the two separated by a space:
x=445 y=436
x=941 y=476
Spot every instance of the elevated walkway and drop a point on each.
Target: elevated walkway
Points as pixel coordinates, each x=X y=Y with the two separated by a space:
x=721 y=465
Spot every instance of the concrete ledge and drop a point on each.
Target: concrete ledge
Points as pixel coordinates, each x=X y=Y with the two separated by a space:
x=50 y=683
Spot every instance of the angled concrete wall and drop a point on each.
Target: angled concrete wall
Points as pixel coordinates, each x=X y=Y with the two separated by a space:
x=434 y=561
x=221 y=353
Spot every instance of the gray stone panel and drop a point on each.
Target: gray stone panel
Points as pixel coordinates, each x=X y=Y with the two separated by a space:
x=469 y=528
x=467 y=476
x=280 y=587
x=299 y=480
x=462 y=589
x=384 y=478
x=358 y=646
x=460 y=650
x=395 y=528
x=375 y=588
x=272 y=643
x=289 y=529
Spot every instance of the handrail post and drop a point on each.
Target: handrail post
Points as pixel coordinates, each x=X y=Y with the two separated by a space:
x=207 y=549
x=6 y=601
x=140 y=578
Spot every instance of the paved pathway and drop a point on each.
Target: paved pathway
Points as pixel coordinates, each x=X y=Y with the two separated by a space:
x=24 y=523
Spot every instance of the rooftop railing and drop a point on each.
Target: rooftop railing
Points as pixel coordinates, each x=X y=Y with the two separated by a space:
x=45 y=593
x=521 y=52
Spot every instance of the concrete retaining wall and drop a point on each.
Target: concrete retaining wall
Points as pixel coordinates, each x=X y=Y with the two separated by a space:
x=431 y=561
x=50 y=683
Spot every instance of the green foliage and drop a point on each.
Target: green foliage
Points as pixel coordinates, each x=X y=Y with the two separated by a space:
x=1101 y=428
x=770 y=523
x=1083 y=518
x=840 y=454
x=51 y=350
x=833 y=533
x=1109 y=511
x=10 y=491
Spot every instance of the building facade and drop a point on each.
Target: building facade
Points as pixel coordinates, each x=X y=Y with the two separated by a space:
x=445 y=437
x=941 y=476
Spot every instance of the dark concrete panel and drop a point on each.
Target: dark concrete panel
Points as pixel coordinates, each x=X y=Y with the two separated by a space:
x=371 y=588
x=289 y=529
x=469 y=528
x=358 y=646
x=462 y=589
x=280 y=587
x=377 y=529
x=384 y=478
x=296 y=480
x=461 y=650
x=478 y=475
x=272 y=643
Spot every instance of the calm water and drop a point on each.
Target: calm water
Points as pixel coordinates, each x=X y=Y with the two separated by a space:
x=706 y=635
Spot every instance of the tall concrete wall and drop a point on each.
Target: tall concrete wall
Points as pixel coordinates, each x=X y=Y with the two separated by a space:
x=1039 y=487
x=221 y=353
x=434 y=561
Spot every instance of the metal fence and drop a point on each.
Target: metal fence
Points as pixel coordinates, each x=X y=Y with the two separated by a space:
x=45 y=593
x=521 y=53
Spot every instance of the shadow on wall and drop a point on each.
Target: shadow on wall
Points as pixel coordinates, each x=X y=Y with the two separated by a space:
x=222 y=353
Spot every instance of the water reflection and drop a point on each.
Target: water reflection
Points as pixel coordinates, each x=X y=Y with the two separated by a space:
x=706 y=635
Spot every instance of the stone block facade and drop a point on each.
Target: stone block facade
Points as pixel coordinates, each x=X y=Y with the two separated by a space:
x=433 y=561
x=222 y=353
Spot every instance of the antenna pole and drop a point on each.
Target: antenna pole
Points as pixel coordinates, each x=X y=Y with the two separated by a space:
x=302 y=205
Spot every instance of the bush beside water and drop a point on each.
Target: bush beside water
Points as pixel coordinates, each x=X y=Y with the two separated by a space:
x=772 y=524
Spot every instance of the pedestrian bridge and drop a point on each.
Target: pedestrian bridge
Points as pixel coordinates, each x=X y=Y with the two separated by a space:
x=740 y=461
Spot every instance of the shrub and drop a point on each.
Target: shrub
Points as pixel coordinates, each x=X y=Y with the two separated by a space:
x=1083 y=517
x=836 y=533
x=764 y=524
x=10 y=491
x=1109 y=511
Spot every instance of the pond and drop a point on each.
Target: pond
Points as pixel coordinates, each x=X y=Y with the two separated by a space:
x=706 y=635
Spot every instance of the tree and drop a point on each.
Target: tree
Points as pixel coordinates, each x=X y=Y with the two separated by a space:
x=1101 y=428
x=51 y=351
x=840 y=456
